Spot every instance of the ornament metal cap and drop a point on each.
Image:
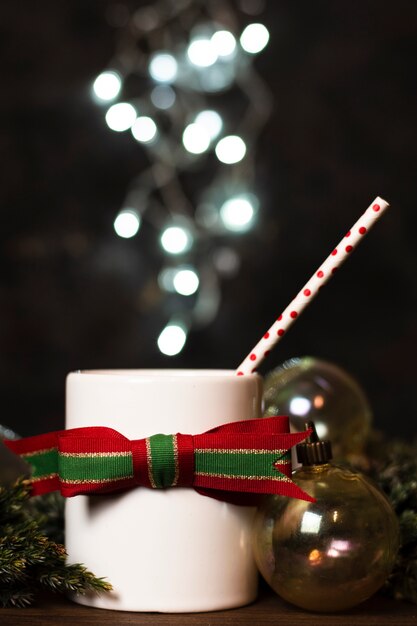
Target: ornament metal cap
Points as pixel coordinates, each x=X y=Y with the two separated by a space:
x=313 y=451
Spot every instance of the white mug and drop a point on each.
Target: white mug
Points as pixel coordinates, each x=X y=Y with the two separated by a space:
x=169 y=550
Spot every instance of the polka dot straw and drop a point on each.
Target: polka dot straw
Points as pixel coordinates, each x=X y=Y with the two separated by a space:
x=312 y=287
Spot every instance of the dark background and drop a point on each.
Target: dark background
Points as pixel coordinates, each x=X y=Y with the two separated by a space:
x=343 y=130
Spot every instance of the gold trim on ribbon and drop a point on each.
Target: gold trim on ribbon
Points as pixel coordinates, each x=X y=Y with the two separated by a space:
x=149 y=462
x=93 y=455
x=239 y=451
x=86 y=481
x=282 y=478
x=43 y=451
x=177 y=467
x=36 y=479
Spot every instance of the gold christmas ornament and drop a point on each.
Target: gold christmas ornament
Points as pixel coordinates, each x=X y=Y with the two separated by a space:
x=308 y=388
x=331 y=554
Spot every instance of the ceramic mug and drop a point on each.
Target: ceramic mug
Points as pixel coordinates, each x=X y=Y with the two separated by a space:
x=168 y=550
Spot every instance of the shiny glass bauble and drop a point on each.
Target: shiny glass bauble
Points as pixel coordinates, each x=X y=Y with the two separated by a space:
x=331 y=554
x=307 y=388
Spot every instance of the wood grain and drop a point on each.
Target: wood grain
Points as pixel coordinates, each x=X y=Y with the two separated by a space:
x=267 y=611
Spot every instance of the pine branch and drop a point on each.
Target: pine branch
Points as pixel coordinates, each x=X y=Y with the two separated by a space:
x=29 y=560
x=393 y=466
x=18 y=597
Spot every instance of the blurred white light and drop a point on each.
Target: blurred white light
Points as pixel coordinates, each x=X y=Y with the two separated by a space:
x=163 y=96
x=144 y=129
x=237 y=214
x=172 y=339
x=207 y=215
x=300 y=406
x=120 y=116
x=310 y=522
x=321 y=429
x=202 y=53
x=176 y=240
x=230 y=149
x=166 y=279
x=224 y=43
x=163 y=67
x=186 y=282
x=254 y=38
x=217 y=77
x=107 y=85
x=226 y=261
x=196 y=138
x=127 y=223
x=339 y=545
x=210 y=121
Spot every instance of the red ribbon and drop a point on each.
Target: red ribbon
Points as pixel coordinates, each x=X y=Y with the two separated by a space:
x=235 y=462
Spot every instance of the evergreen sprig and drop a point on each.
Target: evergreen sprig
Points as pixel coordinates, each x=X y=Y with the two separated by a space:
x=393 y=466
x=30 y=559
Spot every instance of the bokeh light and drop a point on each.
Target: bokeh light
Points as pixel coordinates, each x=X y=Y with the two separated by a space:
x=186 y=281
x=163 y=97
x=166 y=279
x=107 y=85
x=211 y=122
x=176 y=239
x=207 y=215
x=127 y=223
x=254 y=38
x=202 y=53
x=196 y=139
x=163 y=67
x=169 y=85
x=120 y=116
x=224 y=43
x=237 y=214
x=226 y=261
x=172 y=339
x=144 y=129
x=230 y=149
x=217 y=77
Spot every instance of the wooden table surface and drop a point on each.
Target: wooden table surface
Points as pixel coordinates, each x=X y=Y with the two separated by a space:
x=268 y=610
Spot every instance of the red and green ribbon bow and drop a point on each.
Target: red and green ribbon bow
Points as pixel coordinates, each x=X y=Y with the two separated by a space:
x=234 y=462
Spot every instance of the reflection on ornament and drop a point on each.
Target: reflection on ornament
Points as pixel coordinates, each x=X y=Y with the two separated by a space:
x=307 y=388
x=331 y=554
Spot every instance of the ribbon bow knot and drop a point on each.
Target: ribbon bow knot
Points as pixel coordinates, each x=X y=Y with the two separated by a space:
x=234 y=462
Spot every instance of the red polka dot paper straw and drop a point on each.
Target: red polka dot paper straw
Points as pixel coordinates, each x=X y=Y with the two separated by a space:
x=339 y=254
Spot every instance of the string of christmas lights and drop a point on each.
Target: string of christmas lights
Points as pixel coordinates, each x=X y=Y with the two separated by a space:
x=183 y=83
